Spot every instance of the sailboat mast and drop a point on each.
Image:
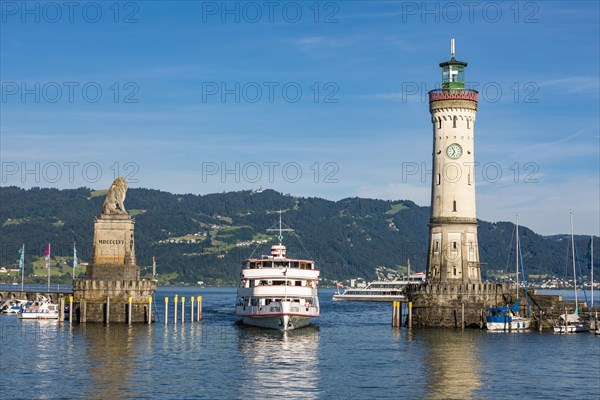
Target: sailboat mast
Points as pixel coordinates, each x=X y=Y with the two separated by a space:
x=517 y=252
x=573 y=256
x=592 y=265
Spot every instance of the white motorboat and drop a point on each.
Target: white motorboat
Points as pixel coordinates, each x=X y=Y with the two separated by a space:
x=39 y=309
x=277 y=292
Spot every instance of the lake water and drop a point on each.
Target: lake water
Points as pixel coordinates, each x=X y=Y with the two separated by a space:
x=351 y=352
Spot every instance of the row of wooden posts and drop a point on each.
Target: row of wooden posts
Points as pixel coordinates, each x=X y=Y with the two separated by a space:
x=176 y=299
x=195 y=303
x=397 y=314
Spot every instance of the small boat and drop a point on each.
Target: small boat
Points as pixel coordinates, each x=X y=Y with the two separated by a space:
x=12 y=306
x=381 y=290
x=277 y=292
x=39 y=309
x=507 y=319
x=572 y=323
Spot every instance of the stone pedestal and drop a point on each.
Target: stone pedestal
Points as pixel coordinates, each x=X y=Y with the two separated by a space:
x=94 y=297
x=113 y=254
x=112 y=276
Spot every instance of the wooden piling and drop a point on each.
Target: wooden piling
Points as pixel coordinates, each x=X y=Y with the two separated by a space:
x=394 y=314
x=182 y=309
x=61 y=309
x=175 y=301
x=83 y=310
x=462 y=316
x=541 y=324
x=70 y=310
x=166 y=310
x=107 y=310
x=192 y=309
x=129 y=307
x=410 y=315
x=149 y=310
x=199 y=313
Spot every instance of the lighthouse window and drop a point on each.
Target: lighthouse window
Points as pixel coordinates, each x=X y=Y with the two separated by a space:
x=468 y=124
x=439 y=179
x=454 y=245
x=454 y=271
x=454 y=206
x=454 y=122
x=440 y=123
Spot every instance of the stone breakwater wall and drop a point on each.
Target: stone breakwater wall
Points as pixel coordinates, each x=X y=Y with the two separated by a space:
x=454 y=304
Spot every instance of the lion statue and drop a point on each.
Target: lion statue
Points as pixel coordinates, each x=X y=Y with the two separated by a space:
x=113 y=204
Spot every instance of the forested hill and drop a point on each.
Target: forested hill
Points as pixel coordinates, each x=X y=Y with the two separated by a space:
x=205 y=237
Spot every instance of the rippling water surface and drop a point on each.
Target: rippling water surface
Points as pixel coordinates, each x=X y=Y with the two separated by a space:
x=351 y=352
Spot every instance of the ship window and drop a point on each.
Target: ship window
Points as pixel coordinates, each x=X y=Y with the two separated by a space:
x=298 y=283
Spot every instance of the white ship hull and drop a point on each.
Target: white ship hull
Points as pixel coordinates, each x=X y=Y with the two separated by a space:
x=368 y=297
x=283 y=316
x=281 y=322
x=38 y=315
x=517 y=324
x=571 y=328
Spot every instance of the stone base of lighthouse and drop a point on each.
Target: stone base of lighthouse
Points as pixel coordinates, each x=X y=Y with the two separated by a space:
x=450 y=305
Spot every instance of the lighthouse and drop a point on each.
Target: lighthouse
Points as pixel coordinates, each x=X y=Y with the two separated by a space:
x=453 y=254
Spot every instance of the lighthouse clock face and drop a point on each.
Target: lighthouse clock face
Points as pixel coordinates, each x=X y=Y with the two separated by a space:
x=454 y=151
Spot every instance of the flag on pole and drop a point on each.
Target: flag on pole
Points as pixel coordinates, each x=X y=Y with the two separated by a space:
x=588 y=255
x=22 y=257
x=48 y=256
x=74 y=256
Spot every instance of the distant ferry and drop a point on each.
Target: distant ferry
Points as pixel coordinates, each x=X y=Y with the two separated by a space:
x=381 y=290
x=277 y=292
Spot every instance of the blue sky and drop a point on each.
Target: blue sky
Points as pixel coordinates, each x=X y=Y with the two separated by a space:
x=326 y=100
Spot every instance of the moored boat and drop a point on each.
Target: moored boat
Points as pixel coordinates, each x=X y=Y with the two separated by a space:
x=42 y=308
x=277 y=292
x=12 y=306
x=381 y=290
x=572 y=323
x=508 y=319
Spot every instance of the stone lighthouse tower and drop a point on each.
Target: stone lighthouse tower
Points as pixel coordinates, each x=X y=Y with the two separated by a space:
x=453 y=249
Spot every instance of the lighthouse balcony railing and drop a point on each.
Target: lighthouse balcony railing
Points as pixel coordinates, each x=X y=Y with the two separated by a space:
x=453 y=94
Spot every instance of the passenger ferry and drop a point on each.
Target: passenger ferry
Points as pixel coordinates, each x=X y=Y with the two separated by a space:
x=277 y=292
x=381 y=290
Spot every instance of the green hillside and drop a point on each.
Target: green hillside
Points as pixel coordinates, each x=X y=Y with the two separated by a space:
x=206 y=237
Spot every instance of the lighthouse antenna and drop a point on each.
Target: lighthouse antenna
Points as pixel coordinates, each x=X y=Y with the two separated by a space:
x=452 y=48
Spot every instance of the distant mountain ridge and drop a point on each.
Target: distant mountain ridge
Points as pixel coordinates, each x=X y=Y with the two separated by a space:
x=205 y=237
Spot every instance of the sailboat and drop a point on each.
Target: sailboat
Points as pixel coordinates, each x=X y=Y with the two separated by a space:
x=571 y=323
x=507 y=318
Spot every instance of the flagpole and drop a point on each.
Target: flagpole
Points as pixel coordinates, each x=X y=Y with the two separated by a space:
x=22 y=267
x=48 y=266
